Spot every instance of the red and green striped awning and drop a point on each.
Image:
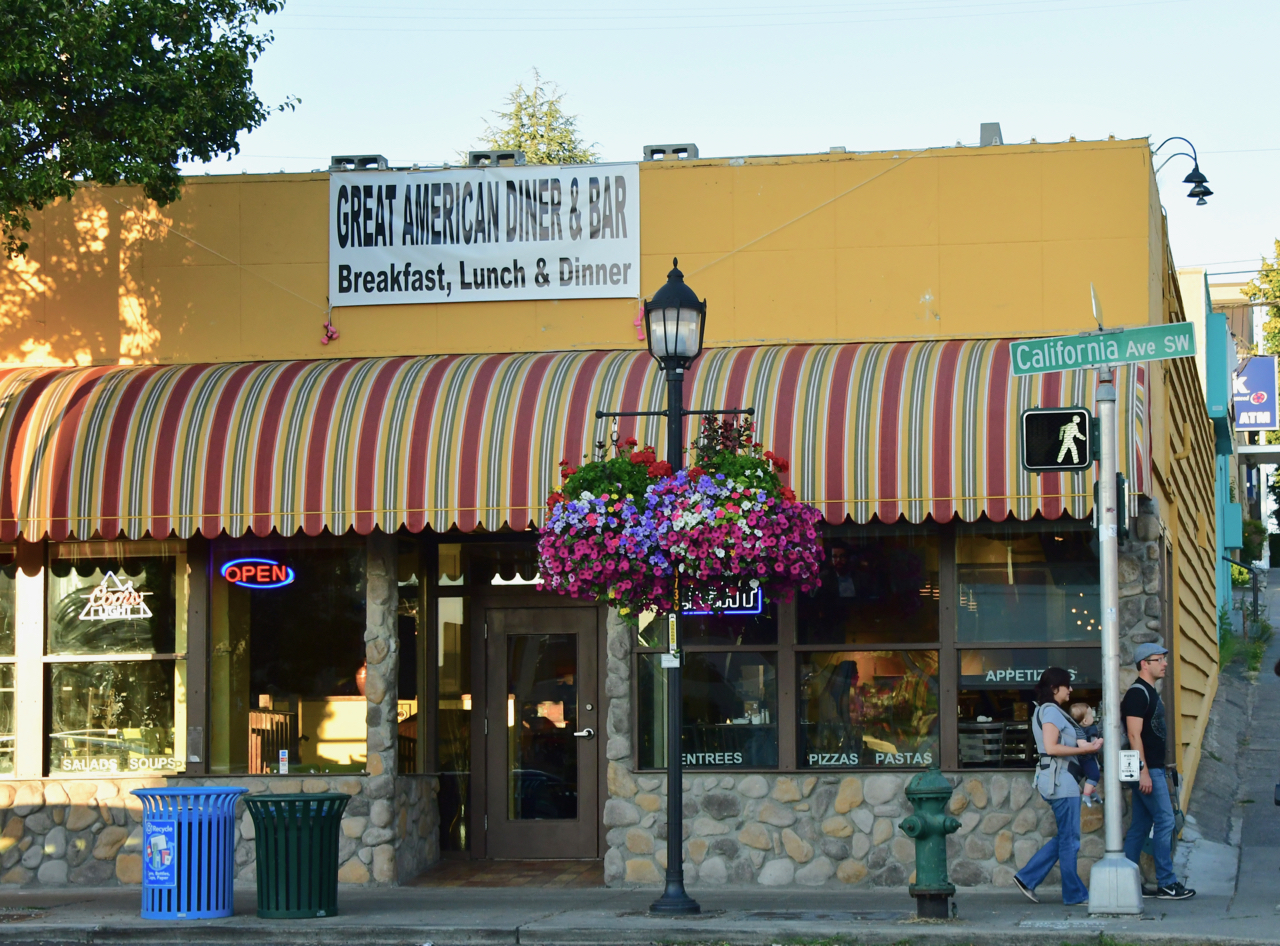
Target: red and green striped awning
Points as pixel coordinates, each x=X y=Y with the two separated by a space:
x=909 y=429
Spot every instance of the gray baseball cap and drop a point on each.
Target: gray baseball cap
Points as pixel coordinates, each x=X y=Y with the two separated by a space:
x=1143 y=651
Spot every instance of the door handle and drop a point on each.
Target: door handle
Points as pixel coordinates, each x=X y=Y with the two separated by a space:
x=586 y=733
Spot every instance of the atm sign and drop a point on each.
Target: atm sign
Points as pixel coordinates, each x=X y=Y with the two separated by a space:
x=257 y=573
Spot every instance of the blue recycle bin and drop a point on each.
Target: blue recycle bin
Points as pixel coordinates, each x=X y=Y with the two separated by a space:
x=188 y=852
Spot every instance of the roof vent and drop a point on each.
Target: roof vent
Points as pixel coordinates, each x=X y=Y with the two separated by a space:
x=989 y=135
x=357 y=162
x=493 y=159
x=684 y=152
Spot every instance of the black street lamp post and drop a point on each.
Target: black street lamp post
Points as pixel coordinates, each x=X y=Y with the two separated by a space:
x=1199 y=183
x=674 y=322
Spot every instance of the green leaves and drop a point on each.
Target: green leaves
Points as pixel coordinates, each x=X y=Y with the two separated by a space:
x=120 y=91
x=537 y=125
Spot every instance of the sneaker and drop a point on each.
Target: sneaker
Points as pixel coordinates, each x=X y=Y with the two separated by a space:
x=1174 y=891
x=1148 y=891
x=1026 y=891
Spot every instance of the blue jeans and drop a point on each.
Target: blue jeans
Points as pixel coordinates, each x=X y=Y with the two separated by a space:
x=1148 y=810
x=1062 y=849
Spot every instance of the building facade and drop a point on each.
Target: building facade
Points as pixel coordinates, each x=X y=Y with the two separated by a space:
x=259 y=537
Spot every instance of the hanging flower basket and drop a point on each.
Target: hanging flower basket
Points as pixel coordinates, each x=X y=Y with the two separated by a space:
x=624 y=528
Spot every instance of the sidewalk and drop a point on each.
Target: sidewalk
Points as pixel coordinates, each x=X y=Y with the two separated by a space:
x=551 y=917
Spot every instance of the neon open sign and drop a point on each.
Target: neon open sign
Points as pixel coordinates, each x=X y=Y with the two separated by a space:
x=257 y=573
x=738 y=601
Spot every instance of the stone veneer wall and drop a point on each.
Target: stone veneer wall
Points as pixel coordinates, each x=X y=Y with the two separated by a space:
x=90 y=832
x=818 y=829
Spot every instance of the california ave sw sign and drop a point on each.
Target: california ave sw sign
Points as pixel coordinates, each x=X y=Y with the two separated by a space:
x=1094 y=350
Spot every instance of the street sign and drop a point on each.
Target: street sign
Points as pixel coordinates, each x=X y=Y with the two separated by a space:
x=1095 y=349
x=1057 y=439
x=1254 y=392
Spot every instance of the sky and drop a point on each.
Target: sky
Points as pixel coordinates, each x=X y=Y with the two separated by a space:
x=418 y=82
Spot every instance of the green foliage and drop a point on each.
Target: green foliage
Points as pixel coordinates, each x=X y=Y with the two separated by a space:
x=618 y=475
x=1228 y=649
x=120 y=91
x=536 y=124
x=1255 y=540
x=1266 y=290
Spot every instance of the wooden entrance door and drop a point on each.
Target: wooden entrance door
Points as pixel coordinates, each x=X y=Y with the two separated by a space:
x=543 y=734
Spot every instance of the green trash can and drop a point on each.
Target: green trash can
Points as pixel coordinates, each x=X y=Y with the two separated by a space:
x=296 y=837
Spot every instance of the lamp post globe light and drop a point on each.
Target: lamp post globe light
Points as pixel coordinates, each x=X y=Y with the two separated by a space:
x=674 y=323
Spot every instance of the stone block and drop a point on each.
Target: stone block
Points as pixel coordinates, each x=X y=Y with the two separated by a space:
x=128 y=868
x=834 y=848
x=725 y=847
x=703 y=826
x=894 y=875
x=968 y=821
x=641 y=870
x=93 y=873
x=384 y=863
x=797 y=848
x=968 y=874
x=777 y=873
x=16 y=875
x=374 y=836
x=621 y=784
x=1048 y=825
x=380 y=813
x=977 y=792
x=353 y=872
x=786 y=789
x=55 y=872
x=640 y=841
x=849 y=796
x=697 y=849
x=1004 y=846
x=721 y=805
x=998 y=789
x=1020 y=791
x=862 y=819
x=618 y=812
x=957 y=803
x=816 y=873
x=851 y=872
x=55 y=843
x=882 y=831
x=1002 y=876
x=81 y=793
x=881 y=789
x=32 y=857
x=995 y=822
x=1024 y=820
x=614 y=868
x=776 y=815
x=109 y=842
x=30 y=798
x=837 y=827
x=859 y=845
x=1090 y=818
x=978 y=848
x=1023 y=850
x=713 y=871
x=754 y=786
x=354 y=827
x=648 y=783
x=757 y=836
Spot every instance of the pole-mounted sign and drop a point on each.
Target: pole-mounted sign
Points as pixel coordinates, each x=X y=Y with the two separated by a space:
x=1115 y=886
x=1057 y=439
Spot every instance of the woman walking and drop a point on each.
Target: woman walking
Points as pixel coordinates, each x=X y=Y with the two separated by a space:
x=1057 y=744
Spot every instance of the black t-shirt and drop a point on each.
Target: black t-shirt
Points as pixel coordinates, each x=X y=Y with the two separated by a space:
x=1142 y=700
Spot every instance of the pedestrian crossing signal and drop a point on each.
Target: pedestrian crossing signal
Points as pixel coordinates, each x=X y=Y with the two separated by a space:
x=1057 y=439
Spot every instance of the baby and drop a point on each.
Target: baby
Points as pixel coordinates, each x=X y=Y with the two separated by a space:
x=1085 y=766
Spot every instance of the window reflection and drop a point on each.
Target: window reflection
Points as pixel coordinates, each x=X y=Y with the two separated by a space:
x=453 y=721
x=875 y=589
x=1040 y=586
x=997 y=698
x=102 y=602
x=542 y=710
x=730 y=710
x=869 y=709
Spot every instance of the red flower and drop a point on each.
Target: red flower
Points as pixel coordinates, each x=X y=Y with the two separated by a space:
x=660 y=468
x=568 y=471
x=781 y=465
x=630 y=442
x=787 y=494
x=696 y=472
x=553 y=500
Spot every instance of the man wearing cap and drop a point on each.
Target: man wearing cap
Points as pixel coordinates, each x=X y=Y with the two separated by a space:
x=1142 y=712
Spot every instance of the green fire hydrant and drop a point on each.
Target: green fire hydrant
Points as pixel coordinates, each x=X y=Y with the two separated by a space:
x=928 y=792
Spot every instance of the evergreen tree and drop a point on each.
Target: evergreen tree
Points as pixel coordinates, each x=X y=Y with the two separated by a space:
x=536 y=124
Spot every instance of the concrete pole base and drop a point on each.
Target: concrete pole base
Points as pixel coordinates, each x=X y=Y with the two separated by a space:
x=1115 y=886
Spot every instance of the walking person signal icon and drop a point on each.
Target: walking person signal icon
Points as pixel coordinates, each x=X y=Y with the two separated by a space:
x=1058 y=439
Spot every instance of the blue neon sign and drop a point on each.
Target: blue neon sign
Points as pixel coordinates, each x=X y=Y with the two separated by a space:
x=257 y=573
x=738 y=601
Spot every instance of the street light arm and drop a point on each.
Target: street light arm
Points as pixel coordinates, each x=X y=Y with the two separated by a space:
x=1194 y=156
x=1176 y=154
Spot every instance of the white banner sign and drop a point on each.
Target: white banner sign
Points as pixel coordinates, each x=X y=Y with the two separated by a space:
x=484 y=234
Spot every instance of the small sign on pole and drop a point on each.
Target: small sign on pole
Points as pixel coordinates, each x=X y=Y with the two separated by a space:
x=284 y=761
x=1057 y=439
x=1130 y=765
x=1253 y=389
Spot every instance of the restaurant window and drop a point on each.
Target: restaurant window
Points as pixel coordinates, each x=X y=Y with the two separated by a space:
x=115 y=657
x=287 y=662
x=730 y=689
x=996 y=700
x=1027 y=586
x=453 y=720
x=408 y=748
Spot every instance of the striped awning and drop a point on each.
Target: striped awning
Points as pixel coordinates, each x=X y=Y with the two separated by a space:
x=911 y=429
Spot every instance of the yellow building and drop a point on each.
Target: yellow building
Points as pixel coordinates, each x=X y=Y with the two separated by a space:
x=319 y=501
